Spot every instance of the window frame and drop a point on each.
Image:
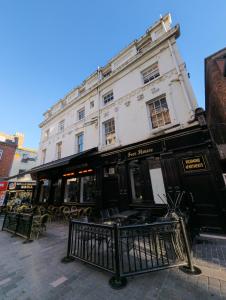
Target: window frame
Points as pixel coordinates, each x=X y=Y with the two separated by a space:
x=108 y=132
x=59 y=146
x=61 y=126
x=108 y=97
x=159 y=113
x=1 y=153
x=81 y=111
x=43 y=155
x=152 y=73
x=78 y=145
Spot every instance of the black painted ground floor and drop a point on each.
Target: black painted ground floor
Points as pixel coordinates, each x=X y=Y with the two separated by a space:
x=144 y=175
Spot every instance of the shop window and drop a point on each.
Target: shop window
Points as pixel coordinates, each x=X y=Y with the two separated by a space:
x=137 y=183
x=159 y=113
x=109 y=171
x=88 y=188
x=109 y=132
x=72 y=190
x=151 y=73
x=79 y=142
x=80 y=189
x=157 y=182
x=58 y=150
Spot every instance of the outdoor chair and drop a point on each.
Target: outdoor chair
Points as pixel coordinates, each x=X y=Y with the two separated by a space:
x=104 y=214
x=66 y=213
x=87 y=212
x=39 y=225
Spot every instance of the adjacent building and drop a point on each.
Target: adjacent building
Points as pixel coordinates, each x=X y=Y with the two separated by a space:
x=215 y=87
x=130 y=133
x=16 y=161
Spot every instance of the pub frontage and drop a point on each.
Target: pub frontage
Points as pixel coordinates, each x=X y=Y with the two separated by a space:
x=142 y=176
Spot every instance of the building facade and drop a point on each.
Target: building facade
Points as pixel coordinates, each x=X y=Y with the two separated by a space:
x=129 y=133
x=17 y=161
x=215 y=86
x=7 y=150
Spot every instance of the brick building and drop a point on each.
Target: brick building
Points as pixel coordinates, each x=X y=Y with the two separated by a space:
x=215 y=88
x=7 y=151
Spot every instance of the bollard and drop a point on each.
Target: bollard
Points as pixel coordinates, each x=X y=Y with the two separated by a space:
x=68 y=258
x=190 y=268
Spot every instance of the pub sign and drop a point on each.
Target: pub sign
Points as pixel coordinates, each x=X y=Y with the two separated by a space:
x=195 y=163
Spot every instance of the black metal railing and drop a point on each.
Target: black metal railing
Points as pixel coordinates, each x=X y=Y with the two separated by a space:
x=130 y=250
x=18 y=224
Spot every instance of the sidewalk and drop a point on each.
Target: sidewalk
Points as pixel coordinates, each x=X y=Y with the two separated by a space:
x=34 y=271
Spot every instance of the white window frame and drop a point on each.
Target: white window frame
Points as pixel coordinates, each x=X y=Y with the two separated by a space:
x=108 y=97
x=81 y=114
x=61 y=126
x=159 y=111
x=46 y=134
x=78 y=150
x=109 y=133
x=59 y=153
x=43 y=156
x=150 y=73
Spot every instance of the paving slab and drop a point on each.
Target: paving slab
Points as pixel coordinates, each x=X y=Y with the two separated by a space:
x=34 y=271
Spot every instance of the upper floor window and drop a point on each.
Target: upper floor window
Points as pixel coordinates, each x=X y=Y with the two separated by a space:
x=1 y=153
x=91 y=104
x=79 y=141
x=81 y=114
x=109 y=132
x=58 y=150
x=108 y=97
x=43 y=156
x=151 y=73
x=61 y=126
x=159 y=113
x=106 y=73
x=46 y=134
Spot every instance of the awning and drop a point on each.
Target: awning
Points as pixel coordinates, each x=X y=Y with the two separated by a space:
x=62 y=161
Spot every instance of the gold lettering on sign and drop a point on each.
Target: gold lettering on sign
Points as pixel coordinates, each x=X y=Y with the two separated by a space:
x=196 y=163
x=139 y=152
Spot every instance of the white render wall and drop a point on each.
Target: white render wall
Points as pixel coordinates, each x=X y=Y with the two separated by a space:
x=131 y=95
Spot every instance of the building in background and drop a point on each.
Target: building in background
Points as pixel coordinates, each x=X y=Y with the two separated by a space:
x=215 y=88
x=8 y=145
x=130 y=133
x=17 y=160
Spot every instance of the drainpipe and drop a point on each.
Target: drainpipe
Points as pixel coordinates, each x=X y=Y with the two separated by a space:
x=99 y=106
x=180 y=76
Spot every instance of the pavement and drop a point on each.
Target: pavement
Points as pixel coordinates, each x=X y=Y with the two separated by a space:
x=34 y=271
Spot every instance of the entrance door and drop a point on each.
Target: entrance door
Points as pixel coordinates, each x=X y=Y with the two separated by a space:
x=158 y=186
x=208 y=214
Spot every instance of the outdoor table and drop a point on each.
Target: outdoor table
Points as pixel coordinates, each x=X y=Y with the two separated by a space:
x=125 y=214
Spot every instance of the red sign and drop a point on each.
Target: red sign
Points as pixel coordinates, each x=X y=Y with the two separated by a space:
x=3 y=185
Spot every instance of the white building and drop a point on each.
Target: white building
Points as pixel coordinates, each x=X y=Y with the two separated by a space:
x=142 y=92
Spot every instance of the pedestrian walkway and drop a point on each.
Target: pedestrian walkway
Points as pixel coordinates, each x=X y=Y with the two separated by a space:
x=34 y=271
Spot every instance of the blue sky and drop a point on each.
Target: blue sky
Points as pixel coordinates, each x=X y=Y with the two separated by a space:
x=47 y=47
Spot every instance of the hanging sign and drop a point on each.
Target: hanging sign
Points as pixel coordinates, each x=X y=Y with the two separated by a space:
x=195 y=163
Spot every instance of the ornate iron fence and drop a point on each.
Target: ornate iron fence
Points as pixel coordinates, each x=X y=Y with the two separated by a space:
x=18 y=224
x=130 y=250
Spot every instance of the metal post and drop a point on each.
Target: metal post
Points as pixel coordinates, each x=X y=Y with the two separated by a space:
x=190 y=268
x=68 y=258
x=117 y=282
x=29 y=240
x=3 y=225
